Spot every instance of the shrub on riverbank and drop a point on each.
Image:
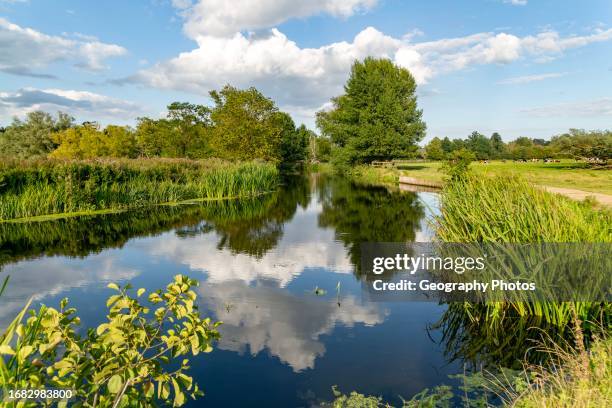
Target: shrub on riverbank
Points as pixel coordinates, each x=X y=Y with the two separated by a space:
x=37 y=188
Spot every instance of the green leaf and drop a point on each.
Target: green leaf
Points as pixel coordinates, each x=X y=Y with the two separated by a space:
x=114 y=384
x=179 y=397
x=113 y=286
x=149 y=389
x=6 y=349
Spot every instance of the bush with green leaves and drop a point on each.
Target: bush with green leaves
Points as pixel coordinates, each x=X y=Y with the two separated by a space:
x=458 y=165
x=136 y=358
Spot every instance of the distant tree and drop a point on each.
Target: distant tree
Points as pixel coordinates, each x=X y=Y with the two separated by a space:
x=81 y=142
x=189 y=123
x=479 y=145
x=245 y=125
x=322 y=148
x=294 y=142
x=121 y=141
x=32 y=137
x=153 y=137
x=434 y=150
x=457 y=144
x=377 y=118
x=497 y=146
x=579 y=143
x=447 y=145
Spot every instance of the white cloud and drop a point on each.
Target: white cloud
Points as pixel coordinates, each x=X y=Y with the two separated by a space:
x=61 y=276
x=305 y=78
x=223 y=18
x=303 y=245
x=590 y=108
x=516 y=2
x=87 y=105
x=23 y=50
x=288 y=326
x=531 y=78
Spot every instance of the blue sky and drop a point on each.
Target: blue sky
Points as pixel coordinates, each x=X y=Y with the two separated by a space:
x=520 y=67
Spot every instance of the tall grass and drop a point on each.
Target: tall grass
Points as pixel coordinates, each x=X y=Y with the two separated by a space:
x=509 y=209
x=29 y=189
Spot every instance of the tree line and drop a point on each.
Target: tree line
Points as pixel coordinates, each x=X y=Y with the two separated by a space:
x=242 y=124
x=377 y=118
x=595 y=145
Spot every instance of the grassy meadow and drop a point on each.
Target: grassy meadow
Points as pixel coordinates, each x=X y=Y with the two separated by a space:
x=42 y=188
x=566 y=174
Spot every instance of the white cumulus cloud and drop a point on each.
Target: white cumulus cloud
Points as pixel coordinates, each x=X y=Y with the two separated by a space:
x=24 y=50
x=83 y=104
x=305 y=78
x=223 y=18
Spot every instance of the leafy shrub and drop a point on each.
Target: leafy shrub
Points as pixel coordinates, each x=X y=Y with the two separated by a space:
x=126 y=361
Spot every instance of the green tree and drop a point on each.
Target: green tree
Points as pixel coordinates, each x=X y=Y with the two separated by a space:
x=294 y=142
x=80 y=142
x=189 y=123
x=479 y=145
x=120 y=141
x=33 y=137
x=434 y=149
x=447 y=145
x=152 y=137
x=246 y=125
x=497 y=145
x=377 y=118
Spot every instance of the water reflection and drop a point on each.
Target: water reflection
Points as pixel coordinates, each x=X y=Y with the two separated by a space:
x=258 y=261
x=286 y=324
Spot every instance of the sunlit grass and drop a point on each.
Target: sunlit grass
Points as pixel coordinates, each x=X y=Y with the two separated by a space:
x=31 y=189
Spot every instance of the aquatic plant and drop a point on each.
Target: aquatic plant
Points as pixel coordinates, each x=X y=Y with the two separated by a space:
x=29 y=189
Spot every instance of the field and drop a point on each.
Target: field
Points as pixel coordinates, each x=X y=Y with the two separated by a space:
x=567 y=174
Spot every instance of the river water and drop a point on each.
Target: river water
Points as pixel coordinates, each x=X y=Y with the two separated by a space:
x=260 y=262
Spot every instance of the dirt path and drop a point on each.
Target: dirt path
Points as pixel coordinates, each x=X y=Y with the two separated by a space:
x=603 y=199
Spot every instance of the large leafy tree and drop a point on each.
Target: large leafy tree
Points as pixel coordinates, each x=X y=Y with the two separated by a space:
x=32 y=137
x=377 y=117
x=246 y=125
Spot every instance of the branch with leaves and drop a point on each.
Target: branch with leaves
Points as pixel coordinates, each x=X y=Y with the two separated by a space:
x=126 y=361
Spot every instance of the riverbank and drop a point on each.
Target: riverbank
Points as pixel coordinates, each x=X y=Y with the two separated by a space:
x=52 y=188
x=565 y=174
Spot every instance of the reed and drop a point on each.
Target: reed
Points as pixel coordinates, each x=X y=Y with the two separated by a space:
x=29 y=189
x=509 y=209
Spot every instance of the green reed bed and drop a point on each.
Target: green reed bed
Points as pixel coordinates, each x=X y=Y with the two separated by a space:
x=509 y=209
x=29 y=189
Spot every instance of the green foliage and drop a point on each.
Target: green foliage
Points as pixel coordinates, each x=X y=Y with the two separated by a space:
x=579 y=143
x=434 y=149
x=321 y=148
x=246 y=125
x=595 y=145
x=88 y=141
x=30 y=189
x=458 y=164
x=33 y=137
x=377 y=118
x=125 y=361
x=294 y=143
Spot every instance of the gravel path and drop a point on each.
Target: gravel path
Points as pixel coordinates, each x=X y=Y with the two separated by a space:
x=603 y=199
